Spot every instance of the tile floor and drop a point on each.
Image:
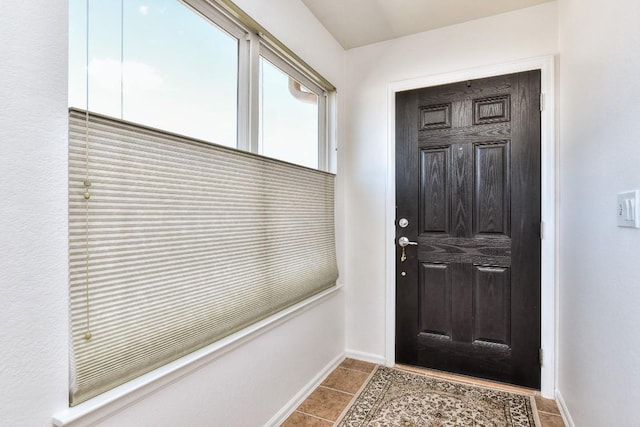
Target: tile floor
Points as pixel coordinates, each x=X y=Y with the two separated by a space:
x=325 y=404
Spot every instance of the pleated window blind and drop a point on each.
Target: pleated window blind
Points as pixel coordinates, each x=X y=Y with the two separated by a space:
x=176 y=243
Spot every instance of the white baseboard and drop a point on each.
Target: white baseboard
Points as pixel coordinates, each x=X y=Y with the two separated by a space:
x=564 y=411
x=300 y=396
x=367 y=357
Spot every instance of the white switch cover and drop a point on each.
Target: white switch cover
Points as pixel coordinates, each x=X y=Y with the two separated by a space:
x=627 y=209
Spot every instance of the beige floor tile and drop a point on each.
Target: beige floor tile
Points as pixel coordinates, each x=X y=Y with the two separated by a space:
x=547 y=405
x=358 y=365
x=298 y=419
x=325 y=403
x=347 y=380
x=550 y=420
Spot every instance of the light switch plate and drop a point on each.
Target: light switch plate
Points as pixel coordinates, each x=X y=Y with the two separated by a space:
x=627 y=209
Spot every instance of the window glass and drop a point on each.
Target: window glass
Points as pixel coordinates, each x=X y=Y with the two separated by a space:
x=288 y=118
x=156 y=63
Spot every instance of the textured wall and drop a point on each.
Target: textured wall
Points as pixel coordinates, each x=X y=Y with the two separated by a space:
x=33 y=211
x=599 y=343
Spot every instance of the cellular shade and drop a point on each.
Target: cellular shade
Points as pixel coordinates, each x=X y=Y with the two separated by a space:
x=181 y=243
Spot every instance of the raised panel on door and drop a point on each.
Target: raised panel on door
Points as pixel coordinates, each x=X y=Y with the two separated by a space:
x=435 y=300
x=492 y=109
x=435 y=116
x=461 y=191
x=434 y=190
x=491 y=189
x=492 y=306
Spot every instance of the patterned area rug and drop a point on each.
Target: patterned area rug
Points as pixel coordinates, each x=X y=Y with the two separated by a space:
x=393 y=397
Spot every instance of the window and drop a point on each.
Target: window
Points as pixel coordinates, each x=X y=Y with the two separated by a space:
x=195 y=140
x=200 y=70
x=289 y=117
x=158 y=64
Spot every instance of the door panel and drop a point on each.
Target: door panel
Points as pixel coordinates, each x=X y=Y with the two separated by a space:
x=491 y=192
x=468 y=181
x=462 y=189
x=435 y=299
x=492 y=305
x=434 y=167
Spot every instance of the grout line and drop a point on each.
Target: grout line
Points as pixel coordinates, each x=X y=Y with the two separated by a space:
x=550 y=413
x=315 y=416
x=335 y=389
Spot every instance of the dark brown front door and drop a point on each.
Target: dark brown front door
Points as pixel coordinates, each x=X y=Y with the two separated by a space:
x=468 y=184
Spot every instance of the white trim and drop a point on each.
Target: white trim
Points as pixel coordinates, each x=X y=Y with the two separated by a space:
x=548 y=276
x=291 y=406
x=367 y=357
x=331 y=131
x=564 y=411
x=100 y=407
x=221 y=20
x=253 y=109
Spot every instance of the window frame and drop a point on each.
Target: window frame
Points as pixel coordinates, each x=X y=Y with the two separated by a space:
x=255 y=42
x=271 y=56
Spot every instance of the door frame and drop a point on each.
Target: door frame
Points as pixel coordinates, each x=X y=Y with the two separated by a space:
x=548 y=314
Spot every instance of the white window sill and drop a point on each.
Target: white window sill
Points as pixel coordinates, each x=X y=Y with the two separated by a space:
x=113 y=400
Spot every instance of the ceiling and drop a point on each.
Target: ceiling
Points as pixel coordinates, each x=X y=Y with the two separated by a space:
x=357 y=23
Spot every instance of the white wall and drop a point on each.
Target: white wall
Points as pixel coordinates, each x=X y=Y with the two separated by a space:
x=599 y=342
x=503 y=38
x=244 y=387
x=33 y=211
